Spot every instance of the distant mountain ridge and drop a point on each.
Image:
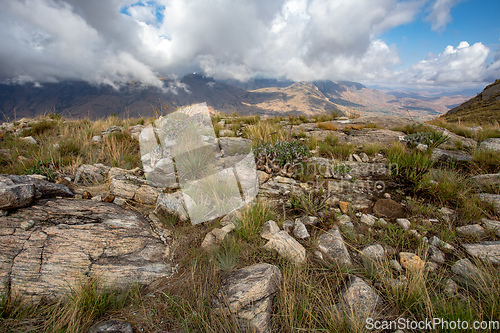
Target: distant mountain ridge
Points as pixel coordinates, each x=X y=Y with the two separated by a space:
x=78 y=99
x=484 y=108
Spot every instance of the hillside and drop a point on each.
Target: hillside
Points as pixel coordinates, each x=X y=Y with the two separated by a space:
x=484 y=108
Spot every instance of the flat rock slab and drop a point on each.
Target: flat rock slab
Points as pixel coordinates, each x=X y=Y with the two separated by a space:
x=49 y=247
x=370 y=135
x=485 y=250
x=494 y=199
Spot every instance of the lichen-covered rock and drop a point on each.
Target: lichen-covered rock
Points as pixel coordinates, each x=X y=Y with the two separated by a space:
x=331 y=245
x=248 y=294
x=71 y=240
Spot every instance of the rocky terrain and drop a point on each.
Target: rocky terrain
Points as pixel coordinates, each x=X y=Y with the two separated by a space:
x=347 y=218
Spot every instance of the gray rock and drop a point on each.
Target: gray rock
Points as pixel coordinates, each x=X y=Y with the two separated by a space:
x=368 y=219
x=248 y=294
x=493 y=199
x=299 y=230
x=269 y=229
x=111 y=129
x=356 y=157
x=15 y=196
x=448 y=155
x=486 y=181
x=287 y=247
x=43 y=188
x=373 y=256
x=288 y=226
x=30 y=139
x=450 y=288
x=435 y=255
x=492 y=225
x=331 y=245
x=364 y=157
x=395 y=265
x=90 y=174
x=471 y=230
x=440 y=244
x=310 y=220
x=135 y=131
x=72 y=240
x=134 y=188
x=171 y=204
x=485 y=250
x=466 y=271
x=403 y=223
x=490 y=144
x=96 y=138
x=235 y=146
x=112 y=326
x=359 y=300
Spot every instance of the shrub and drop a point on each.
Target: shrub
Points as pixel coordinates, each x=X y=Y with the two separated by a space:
x=282 y=152
x=42 y=168
x=431 y=139
x=328 y=126
x=265 y=131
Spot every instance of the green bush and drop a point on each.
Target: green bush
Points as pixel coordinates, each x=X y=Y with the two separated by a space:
x=283 y=152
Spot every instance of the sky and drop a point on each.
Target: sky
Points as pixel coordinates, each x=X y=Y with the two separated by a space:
x=424 y=45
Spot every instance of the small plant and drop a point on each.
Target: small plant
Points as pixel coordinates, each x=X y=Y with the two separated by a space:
x=252 y=219
x=281 y=154
x=310 y=204
x=431 y=139
x=409 y=167
x=42 y=168
x=265 y=131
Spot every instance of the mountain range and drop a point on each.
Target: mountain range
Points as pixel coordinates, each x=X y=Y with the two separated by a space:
x=77 y=99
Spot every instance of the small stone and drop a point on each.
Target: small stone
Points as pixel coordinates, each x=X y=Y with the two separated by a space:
x=373 y=255
x=403 y=223
x=86 y=195
x=465 y=269
x=388 y=208
x=364 y=157
x=344 y=219
x=310 y=220
x=368 y=219
x=120 y=202
x=27 y=225
x=288 y=226
x=30 y=139
x=395 y=265
x=96 y=139
x=492 y=225
x=485 y=250
x=447 y=212
x=387 y=195
x=108 y=198
x=300 y=230
x=269 y=229
x=381 y=222
x=97 y=198
x=4 y=212
x=450 y=288
x=356 y=157
x=431 y=266
x=440 y=244
x=112 y=326
x=332 y=246
x=219 y=234
x=229 y=227
x=436 y=255
x=410 y=261
x=209 y=241
x=287 y=247
x=471 y=230
x=344 y=206
x=422 y=147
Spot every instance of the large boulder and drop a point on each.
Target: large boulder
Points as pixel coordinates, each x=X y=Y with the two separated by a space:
x=491 y=144
x=48 y=248
x=248 y=294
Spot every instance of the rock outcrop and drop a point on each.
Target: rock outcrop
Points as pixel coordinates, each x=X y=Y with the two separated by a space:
x=49 y=247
